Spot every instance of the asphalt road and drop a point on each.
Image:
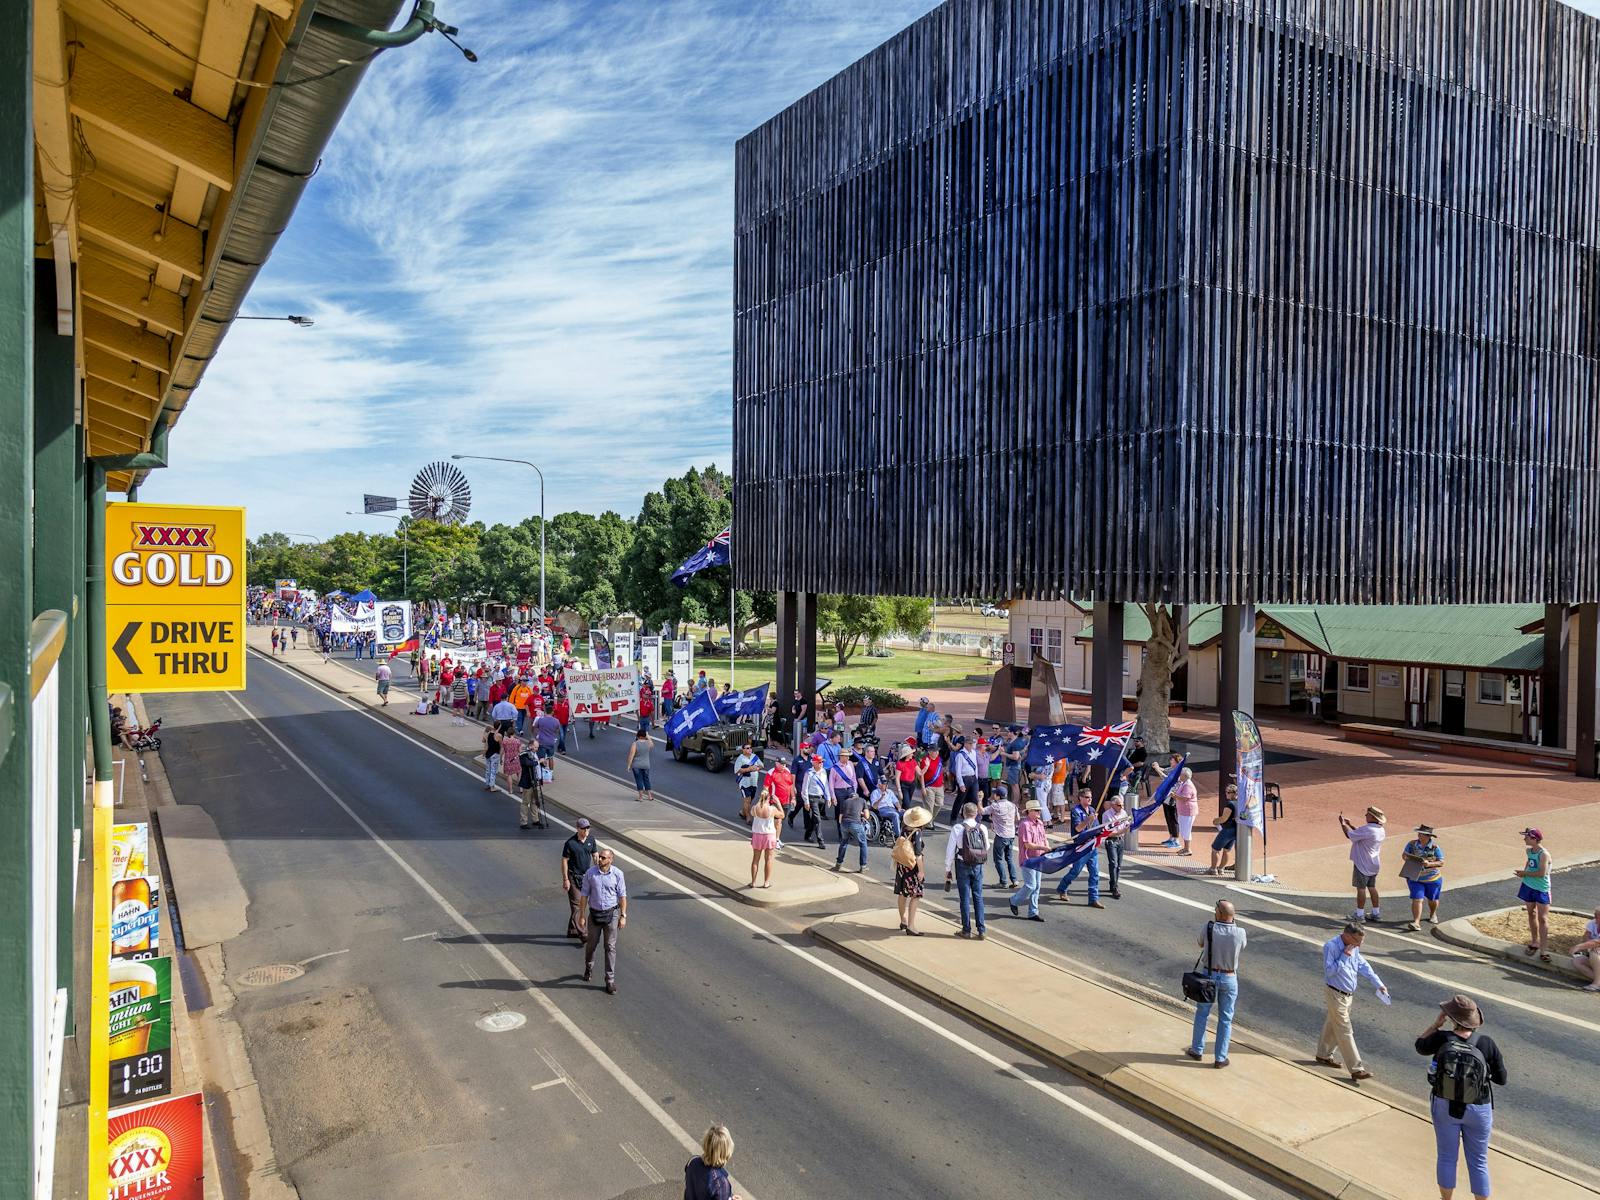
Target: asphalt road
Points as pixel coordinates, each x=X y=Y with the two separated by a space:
x=423 y=920
x=1547 y=1028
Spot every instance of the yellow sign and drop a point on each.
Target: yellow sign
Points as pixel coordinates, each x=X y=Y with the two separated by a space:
x=175 y=598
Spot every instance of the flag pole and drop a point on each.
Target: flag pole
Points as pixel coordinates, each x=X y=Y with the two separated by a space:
x=1122 y=752
x=733 y=637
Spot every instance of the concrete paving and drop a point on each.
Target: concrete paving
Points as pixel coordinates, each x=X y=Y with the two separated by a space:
x=1302 y=1124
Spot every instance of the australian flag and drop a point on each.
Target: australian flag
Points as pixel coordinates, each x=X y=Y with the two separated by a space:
x=741 y=706
x=714 y=553
x=1088 y=842
x=697 y=714
x=1049 y=744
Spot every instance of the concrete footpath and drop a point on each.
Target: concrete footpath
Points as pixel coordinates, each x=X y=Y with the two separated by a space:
x=717 y=857
x=1307 y=1124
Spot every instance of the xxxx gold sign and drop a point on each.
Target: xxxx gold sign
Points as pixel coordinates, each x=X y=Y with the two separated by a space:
x=175 y=598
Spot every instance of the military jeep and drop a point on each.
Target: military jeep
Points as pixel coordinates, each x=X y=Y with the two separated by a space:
x=719 y=744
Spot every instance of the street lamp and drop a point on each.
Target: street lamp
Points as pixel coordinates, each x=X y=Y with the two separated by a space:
x=405 y=547
x=292 y=318
x=543 y=613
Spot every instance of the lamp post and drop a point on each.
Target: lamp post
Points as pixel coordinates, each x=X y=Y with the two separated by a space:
x=405 y=547
x=544 y=616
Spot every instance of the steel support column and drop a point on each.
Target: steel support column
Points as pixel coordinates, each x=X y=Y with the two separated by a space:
x=1236 y=690
x=1105 y=675
x=1553 y=678
x=805 y=634
x=56 y=467
x=787 y=673
x=1588 y=663
x=17 y=1116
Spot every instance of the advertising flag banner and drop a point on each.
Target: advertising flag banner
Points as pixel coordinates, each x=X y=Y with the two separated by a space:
x=650 y=656
x=157 y=1151
x=1247 y=737
x=622 y=650
x=136 y=917
x=175 y=598
x=599 y=651
x=141 y=1030
x=683 y=660
x=603 y=693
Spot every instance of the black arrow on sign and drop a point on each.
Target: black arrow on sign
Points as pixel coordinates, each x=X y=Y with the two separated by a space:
x=120 y=648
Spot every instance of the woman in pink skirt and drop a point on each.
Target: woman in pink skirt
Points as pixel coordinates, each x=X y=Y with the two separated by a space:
x=1186 y=798
x=763 y=835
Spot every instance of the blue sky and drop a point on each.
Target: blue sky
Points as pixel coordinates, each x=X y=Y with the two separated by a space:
x=529 y=257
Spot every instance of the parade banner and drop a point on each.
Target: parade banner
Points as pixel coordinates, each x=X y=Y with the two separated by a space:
x=622 y=649
x=394 y=625
x=493 y=643
x=157 y=1151
x=286 y=589
x=524 y=655
x=599 y=651
x=1251 y=756
x=140 y=1030
x=603 y=693
x=650 y=656
x=683 y=661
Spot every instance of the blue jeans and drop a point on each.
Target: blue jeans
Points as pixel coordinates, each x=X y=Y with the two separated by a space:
x=1032 y=879
x=1227 y=997
x=969 y=882
x=853 y=831
x=1005 y=860
x=1448 y=1135
x=891 y=817
x=1093 y=863
x=522 y=719
x=641 y=778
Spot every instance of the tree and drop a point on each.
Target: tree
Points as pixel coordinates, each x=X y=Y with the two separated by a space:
x=674 y=523
x=1161 y=659
x=508 y=556
x=445 y=562
x=849 y=620
x=350 y=563
x=589 y=551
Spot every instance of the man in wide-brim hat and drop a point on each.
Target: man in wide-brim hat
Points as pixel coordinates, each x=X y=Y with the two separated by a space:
x=1366 y=844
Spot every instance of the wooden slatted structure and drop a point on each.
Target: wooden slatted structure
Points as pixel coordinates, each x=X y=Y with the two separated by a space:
x=1204 y=301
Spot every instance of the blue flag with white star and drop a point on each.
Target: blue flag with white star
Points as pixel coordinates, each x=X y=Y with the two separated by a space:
x=735 y=706
x=697 y=714
x=1049 y=744
x=714 y=553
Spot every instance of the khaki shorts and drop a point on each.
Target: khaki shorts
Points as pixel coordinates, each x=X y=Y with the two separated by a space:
x=1357 y=879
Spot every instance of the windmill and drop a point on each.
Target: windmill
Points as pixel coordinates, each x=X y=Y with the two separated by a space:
x=440 y=492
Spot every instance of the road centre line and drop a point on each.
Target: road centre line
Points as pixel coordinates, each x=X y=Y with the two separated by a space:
x=605 y=1061
x=1388 y=964
x=1108 y=1123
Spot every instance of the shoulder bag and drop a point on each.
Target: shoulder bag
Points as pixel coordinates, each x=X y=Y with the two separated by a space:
x=1198 y=985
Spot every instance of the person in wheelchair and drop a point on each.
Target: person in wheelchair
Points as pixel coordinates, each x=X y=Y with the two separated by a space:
x=886 y=807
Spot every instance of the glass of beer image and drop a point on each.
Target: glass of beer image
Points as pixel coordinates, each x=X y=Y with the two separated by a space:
x=131 y=983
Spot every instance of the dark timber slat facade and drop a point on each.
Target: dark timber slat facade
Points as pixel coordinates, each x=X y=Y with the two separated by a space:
x=1204 y=302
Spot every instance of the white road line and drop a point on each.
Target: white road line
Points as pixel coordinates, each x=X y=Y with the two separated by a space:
x=643 y=1163
x=418 y=936
x=1387 y=963
x=564 y=1076
x=1109 y=1123
x=539 y=1087
x=306 y=962
x=593 y=1048
x=1431 y=944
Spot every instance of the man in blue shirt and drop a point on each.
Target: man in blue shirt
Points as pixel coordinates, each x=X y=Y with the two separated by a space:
x=1083 y=817
x=604 y=911
x=924 y=715
x=1342 y=966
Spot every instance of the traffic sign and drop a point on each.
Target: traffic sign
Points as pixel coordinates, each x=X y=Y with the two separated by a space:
x=175 y=598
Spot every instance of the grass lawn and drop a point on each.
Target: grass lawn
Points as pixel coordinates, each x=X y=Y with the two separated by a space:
x=909 y=672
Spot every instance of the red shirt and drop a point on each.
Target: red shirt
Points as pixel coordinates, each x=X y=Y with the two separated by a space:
x=563 y=711
x=781 y=780
x=497 y=691
x=906 y=768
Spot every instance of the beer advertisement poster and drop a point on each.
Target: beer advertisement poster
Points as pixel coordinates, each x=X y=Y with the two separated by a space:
x=157 y=1151
x=141 y=1030
x=136 y=918
x=130 y=850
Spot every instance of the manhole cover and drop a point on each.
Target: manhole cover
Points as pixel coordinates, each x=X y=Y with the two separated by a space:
x=502 y=1022
x=269 y=974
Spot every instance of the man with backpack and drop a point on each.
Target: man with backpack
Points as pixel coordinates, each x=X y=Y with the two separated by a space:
x=1466 y=1066
x=964 y=856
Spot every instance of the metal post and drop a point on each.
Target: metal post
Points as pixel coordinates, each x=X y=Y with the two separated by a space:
x=1237 y=690
x=1588 y=661
x=806 y=649
x=1553 y=678
x=786 y=663
x=733 y=637
x=1105 y=687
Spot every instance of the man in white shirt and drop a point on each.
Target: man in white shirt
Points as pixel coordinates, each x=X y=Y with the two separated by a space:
x=1114 y=819
x=1366 y=845
x=964 y=855
x=1002 y=816
x=964 y=764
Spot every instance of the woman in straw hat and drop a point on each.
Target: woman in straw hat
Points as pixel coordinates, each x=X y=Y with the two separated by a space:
x=908 y=869
x=1466 y=1067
